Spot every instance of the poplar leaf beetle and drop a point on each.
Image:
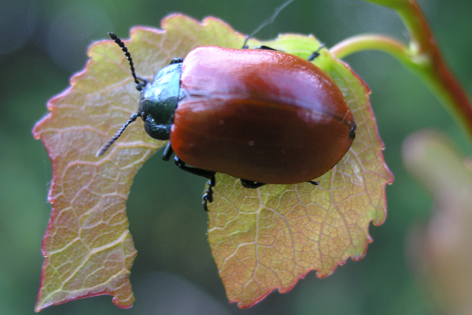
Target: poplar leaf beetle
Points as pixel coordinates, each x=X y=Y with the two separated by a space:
x=261 y=115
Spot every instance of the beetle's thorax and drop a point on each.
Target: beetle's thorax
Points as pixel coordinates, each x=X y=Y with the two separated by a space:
x=158 y=102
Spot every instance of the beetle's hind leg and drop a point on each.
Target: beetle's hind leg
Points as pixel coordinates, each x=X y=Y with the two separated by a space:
x=251 y=184
x=352 y=132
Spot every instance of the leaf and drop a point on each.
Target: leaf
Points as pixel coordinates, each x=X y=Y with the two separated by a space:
x=269 y=238
x=87 y=246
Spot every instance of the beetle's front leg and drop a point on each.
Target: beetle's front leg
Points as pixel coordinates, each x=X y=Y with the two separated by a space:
x=168 y=151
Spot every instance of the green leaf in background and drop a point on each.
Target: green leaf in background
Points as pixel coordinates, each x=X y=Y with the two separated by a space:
x=262 y=239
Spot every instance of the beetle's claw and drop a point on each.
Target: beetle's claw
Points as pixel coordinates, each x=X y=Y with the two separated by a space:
x=205 y=207
x=208 y=196
x=352 y=132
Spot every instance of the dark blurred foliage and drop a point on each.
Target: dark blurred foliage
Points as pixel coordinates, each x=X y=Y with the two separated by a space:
x=42 y=43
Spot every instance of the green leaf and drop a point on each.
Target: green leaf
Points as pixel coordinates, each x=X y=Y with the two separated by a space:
x=262 y=239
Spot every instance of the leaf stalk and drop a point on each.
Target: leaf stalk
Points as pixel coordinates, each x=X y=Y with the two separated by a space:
x=421 y=56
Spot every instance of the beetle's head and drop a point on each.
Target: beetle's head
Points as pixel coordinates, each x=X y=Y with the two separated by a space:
x=157 y=102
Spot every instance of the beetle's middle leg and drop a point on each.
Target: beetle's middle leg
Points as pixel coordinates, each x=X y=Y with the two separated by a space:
x=210 y=175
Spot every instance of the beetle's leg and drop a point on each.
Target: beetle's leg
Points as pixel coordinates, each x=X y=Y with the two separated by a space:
x=245 y=46
x=193 y=170
x=167 y=152
x=352 y=132
x=250 y=184
x=266 y=48
x=176 y=60
x=312 y=57
x=208 y=196
x=316 y=54
x=313 y=182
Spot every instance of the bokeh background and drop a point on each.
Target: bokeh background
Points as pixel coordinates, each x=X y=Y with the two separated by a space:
x=42 y=43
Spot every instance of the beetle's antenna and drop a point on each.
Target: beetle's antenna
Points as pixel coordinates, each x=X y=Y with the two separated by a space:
x=140 y=83
x=268 y=21
x=117 y=135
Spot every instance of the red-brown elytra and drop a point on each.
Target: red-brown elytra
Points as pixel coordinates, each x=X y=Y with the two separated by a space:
x=261 y=115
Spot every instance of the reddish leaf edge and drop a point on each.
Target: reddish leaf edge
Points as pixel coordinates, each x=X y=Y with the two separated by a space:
x=390 y=177
x=37 y=135
x=159 y=31
x=320 y=276
x=375 y=222
x=52 y=111
x=115 y=302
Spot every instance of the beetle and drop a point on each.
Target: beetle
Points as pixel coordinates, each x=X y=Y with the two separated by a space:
x=261 y=115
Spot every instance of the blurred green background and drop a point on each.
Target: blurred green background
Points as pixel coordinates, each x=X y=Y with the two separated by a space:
x=42 y=43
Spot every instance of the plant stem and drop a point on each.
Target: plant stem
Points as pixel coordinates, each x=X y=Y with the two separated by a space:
x=372 y=42
x=422 y=57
